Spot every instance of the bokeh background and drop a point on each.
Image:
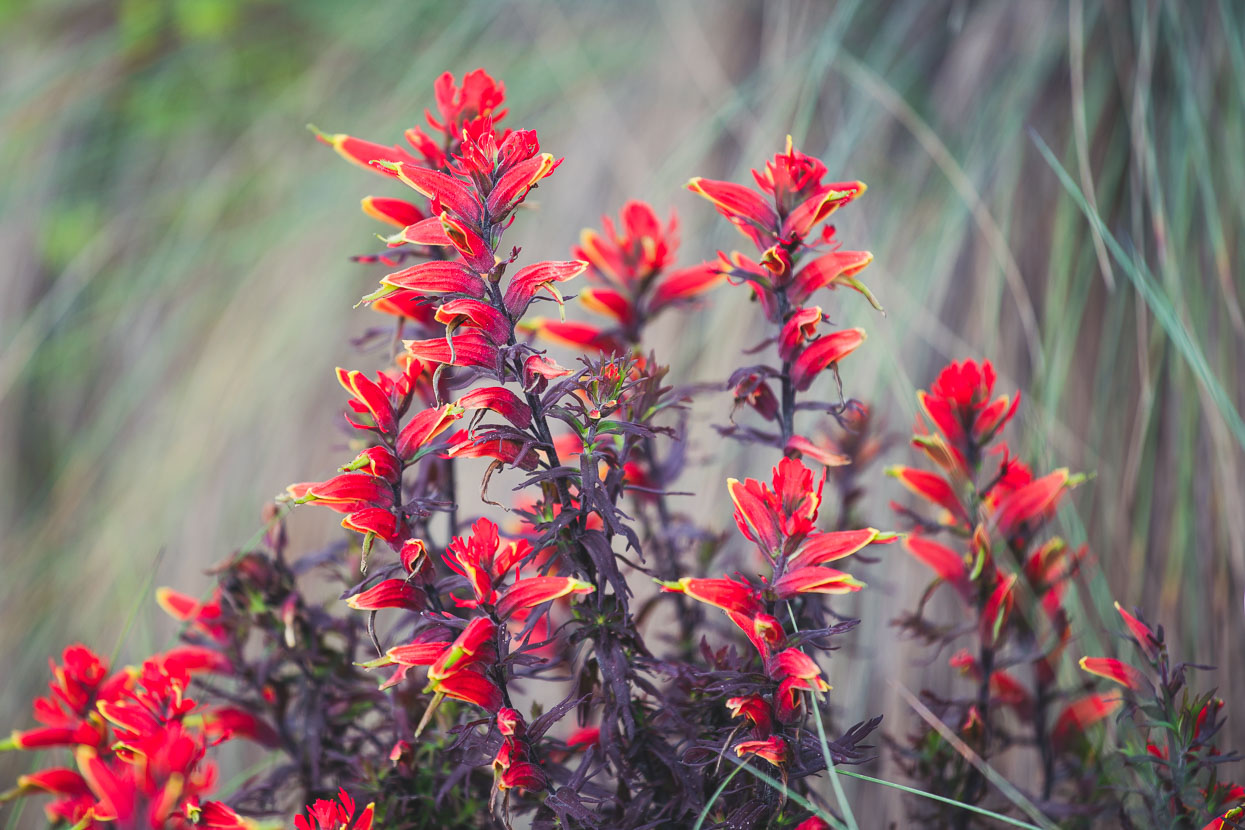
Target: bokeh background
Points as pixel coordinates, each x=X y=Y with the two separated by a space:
x=175 y=289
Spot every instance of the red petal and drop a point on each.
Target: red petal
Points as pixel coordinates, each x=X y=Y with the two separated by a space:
x=473 y=313
x=353 y=487
x=772 y=749
x=609 y=302
x=827 y=349
x=389 y=593
x=685 y=284
x=946 y=563
x=501 y=400
x=825 y=271
x=513 y=186
x=233 y=722
x=471 y=348
x=799 y=328
x=815 y=580
x=428 y=231
x=59 y=781
x=424 y=427
x=438 y=277
x=1116 y=670
x=417 y=654
x=822 y=548
x=393 y=211
x=449 y=191
x=1082 y=714
x=754 y=515
x=932 y=487
x=727 y=594
x=365 y=390
x=528 y=593
x=527 y=281
x=574 y=334
x=471 y=687
x=377 y=520
x=1033 y=501
x=363 y=153
x=507 y=450
x=806 y=215
x=998 y=607
x=737 y=203
x=473 y=247
x=1141 y=633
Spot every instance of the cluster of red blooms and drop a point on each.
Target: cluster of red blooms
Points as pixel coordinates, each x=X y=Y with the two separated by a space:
x=1011 y=588
x=482 y=617
x=335 y=814
x=782 y=523
x=782 y=221
x=1179 y=780
x=139 y=743
x=630 y=268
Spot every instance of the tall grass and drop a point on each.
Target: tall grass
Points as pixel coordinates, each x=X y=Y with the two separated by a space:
x=174 y=283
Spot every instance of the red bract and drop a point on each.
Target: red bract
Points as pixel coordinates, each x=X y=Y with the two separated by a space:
x=628 y=265
x=959 y=406
x=486 y=562
x=139 y=760
x=338 y=814
x=777 y=520
x=772 y=749
x=1140 y=632
x=1116 y=670
x=779 y=221
x=1081 y=714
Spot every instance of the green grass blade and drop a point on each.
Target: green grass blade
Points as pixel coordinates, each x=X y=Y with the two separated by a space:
x=1154 y=298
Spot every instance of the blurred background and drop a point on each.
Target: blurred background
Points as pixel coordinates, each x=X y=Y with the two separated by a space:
x=176 y=290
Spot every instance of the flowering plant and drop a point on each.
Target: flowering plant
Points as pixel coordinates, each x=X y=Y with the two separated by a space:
x=481 y=665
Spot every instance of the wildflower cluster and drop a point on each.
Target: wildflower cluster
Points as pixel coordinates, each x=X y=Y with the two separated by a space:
x=1010 y=585
x=139 y=743
x=482 y=660
x=1168 y=739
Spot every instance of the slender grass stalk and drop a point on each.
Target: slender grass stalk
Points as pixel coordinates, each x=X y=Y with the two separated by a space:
x=766 y=778
x=972 y=808
x=1159 y=304
x=713 y=799
x=992 y=775
x=839 y=795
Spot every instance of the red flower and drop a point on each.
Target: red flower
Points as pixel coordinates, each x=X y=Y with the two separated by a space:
x=542 y=276
x=203 y=617
x=422 y=429
x=1004 y=688
x=1140 y=632
x=819 y=354
x=485 y=562
x=388 y=593
x=1117 y=671
x=1082 y=714
x=792 y=203
x=501 y=400
x=944 y=562
x=479 y=95
x=628 y=264
x=773 y=749
x=756 y=709
x=777 y=519
x=959 y=406
x=327 y=814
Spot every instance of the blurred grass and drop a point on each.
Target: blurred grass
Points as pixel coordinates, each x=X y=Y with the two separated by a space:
x=175 y=288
